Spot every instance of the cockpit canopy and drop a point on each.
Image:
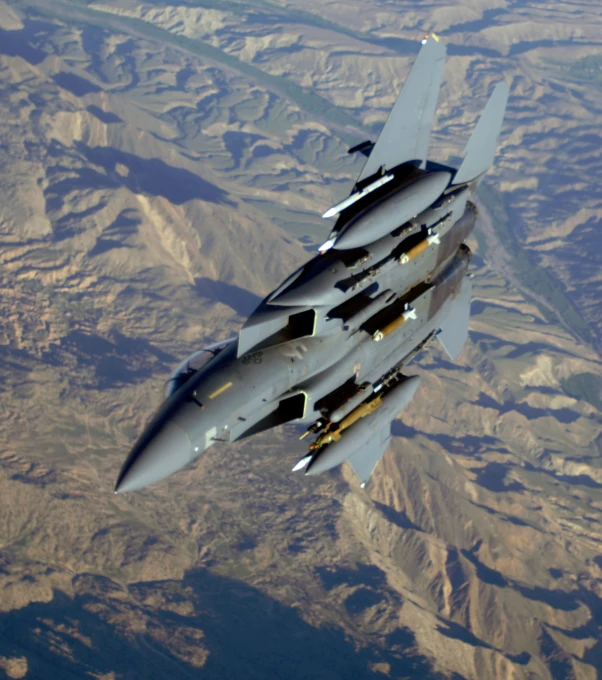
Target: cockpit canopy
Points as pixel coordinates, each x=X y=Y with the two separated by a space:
x=192 y=365
x=186 y=370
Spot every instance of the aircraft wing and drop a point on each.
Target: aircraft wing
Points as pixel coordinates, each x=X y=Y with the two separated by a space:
x=405 y=136
x=365 y=459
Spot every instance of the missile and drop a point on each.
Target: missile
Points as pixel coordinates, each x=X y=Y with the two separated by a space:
x=354 y=198
x=382 y=218
x=363 y=430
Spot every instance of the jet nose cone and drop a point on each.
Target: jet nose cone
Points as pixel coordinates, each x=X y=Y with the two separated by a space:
x=168 y=451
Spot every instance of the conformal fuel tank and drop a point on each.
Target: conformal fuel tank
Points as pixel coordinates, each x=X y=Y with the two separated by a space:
x=386 y=216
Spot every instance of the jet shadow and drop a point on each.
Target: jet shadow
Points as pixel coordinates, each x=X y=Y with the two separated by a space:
x=243 y=302
x=105 y=363
x=149 y=176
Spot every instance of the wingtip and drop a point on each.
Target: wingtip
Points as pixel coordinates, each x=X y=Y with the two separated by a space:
x=433 y=43
x=501 y=91
x=430 y=37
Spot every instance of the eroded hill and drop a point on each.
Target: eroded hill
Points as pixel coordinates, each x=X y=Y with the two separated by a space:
x=153 y=191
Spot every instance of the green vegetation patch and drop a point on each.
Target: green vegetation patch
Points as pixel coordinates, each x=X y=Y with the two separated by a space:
x=585 y=387
x=588 y=69
x=250 y=109
x=585 y=71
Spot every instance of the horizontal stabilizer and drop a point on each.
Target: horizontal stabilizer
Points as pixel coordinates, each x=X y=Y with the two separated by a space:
x=405 y=136
x=364 y=461
x=481 y=147
x=454 y=331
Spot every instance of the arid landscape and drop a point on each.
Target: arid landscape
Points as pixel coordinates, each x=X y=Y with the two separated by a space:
x=162 y=168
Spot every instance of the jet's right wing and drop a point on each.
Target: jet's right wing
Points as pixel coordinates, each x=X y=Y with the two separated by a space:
x=406 y=134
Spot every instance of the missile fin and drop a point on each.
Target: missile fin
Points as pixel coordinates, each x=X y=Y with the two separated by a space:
x=454 y=331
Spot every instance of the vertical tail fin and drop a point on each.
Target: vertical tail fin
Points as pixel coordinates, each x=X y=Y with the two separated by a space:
x=405 y=136
x=481 y=147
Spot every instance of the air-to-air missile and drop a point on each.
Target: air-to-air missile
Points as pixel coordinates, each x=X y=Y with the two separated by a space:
x=327 y=348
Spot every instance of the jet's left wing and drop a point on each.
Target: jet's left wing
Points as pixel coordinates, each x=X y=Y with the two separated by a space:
x=405 y=136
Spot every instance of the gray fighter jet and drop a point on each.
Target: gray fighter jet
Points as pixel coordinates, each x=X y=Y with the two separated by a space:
x=327 y=348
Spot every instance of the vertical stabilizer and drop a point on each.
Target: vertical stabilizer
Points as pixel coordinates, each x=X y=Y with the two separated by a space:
x=405 y=136
x=481 y=147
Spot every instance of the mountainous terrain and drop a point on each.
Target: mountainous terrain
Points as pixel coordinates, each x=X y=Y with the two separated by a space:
x=162 y=168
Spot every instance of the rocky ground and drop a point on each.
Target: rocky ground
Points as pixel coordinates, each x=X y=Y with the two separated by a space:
x=164 y=167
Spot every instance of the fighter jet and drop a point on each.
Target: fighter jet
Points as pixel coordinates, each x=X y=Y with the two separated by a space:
x=328 y=347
